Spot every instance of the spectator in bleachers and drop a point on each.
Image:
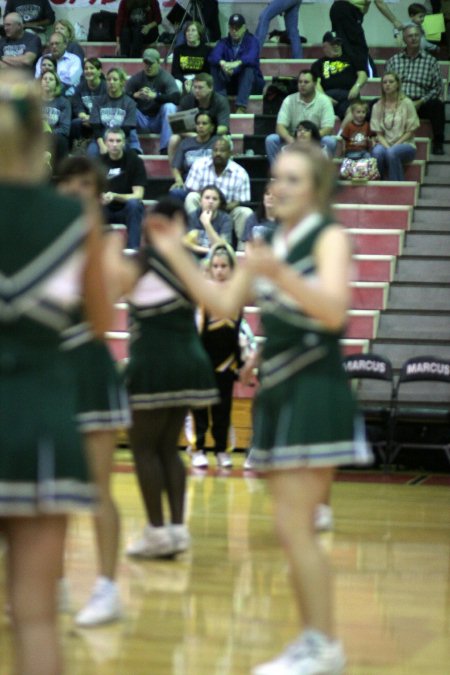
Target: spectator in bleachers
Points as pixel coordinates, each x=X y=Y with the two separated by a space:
x=113 y=109
x=347 y=21
x=290 y=11
x=417 y=14
x=65 y=27
x=37 y=15
x=394 y=120
x=57 y=113
x=192 y=148
x=308 y=132
x=307 y=104
x=137 y=26
x=262 y=223
x=68 y=66
x=190 y=58
x=235 y=64
x=209 y=224
x=156 y=94
x=206 y=100
x=357 y=133
x=421 y=79
x=126 y=181
x=232 y=179
x=336 y=74
x=91 y=86
x=19 y=48
x=48 y=63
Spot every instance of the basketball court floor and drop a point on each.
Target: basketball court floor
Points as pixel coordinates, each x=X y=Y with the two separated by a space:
x=226 y=605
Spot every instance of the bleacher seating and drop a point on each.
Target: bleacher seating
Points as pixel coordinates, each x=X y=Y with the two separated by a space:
x=377 y=215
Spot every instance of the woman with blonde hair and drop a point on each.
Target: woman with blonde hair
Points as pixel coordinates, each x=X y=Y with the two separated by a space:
x=305 y=422
x=48 y=261
x=65 y=27
x=394 y=119
x=57 y=112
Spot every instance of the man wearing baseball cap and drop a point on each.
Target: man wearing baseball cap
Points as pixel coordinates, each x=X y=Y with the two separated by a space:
x=235 y=64
x=156 y=94
x=336 y=74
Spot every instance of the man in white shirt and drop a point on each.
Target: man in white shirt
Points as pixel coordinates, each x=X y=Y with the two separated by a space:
x=69 y=67
x=307 y=104
x=231 y=178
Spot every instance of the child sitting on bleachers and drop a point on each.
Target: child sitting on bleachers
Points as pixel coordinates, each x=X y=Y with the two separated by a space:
x=356 y=133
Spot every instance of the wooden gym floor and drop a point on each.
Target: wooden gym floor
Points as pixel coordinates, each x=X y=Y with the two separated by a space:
x=226 y=605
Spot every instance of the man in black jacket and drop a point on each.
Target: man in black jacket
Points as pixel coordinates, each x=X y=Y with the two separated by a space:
x=156 y=94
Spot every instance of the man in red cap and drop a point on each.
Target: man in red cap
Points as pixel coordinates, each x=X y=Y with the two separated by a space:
x=235 y=64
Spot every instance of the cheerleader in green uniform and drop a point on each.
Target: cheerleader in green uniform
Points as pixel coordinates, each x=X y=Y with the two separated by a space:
x=305 y=421
x=168 y=373
x=49 y=258
x=102 y=406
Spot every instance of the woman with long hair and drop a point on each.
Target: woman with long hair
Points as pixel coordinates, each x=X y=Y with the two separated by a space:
x=48 y=260
x=57 y=113
x=65 y=27
x=192 y=148
x=210 y=224
x=394 y=119
x=263 y=222
x=305 y=420
x=91 y=86
x=113 y=109
x=136 y=26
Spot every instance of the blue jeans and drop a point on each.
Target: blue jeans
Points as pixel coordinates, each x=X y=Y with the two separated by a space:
x=157 y=124
x=179 y=193
x=243 y=82
x=290 y=9
x=393 y=158
x=131 y=215
x=274 y=143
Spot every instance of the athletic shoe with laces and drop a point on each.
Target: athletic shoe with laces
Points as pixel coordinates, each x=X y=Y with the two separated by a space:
x=311 y=654
x=248 y=464
x=155 y=542
x=323 y=518
x=199 y=460
x=102 y=607
x=223 y=460
x=180 y=537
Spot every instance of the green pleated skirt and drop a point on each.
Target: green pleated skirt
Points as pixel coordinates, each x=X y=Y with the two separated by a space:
x=308 y=420
x=42 y=462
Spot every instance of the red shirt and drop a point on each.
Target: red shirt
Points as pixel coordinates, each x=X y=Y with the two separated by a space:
x=357 y=137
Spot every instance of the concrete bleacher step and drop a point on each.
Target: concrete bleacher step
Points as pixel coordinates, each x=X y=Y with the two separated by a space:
x=417 y=296
x=418 y=326
x=269 y=51
x=411 y=268
x=378 y=192
x=427 y=243
x=367 y=295
x=374 y=267
x=379 y=216
x=428 y=218
x=377 y=241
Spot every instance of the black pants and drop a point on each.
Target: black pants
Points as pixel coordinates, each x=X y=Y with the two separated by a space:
x=133 y=42
x=346 y=21
x=434 y=110
x=220 y=414
x=210 y=11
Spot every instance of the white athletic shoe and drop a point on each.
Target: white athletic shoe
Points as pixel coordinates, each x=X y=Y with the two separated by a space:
x=223 y=460
x=323 y=518
x=248 y=464
x=102 y=607
x=307 y=656
x=199 y=460
x=155 y=542
x=180 y=537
